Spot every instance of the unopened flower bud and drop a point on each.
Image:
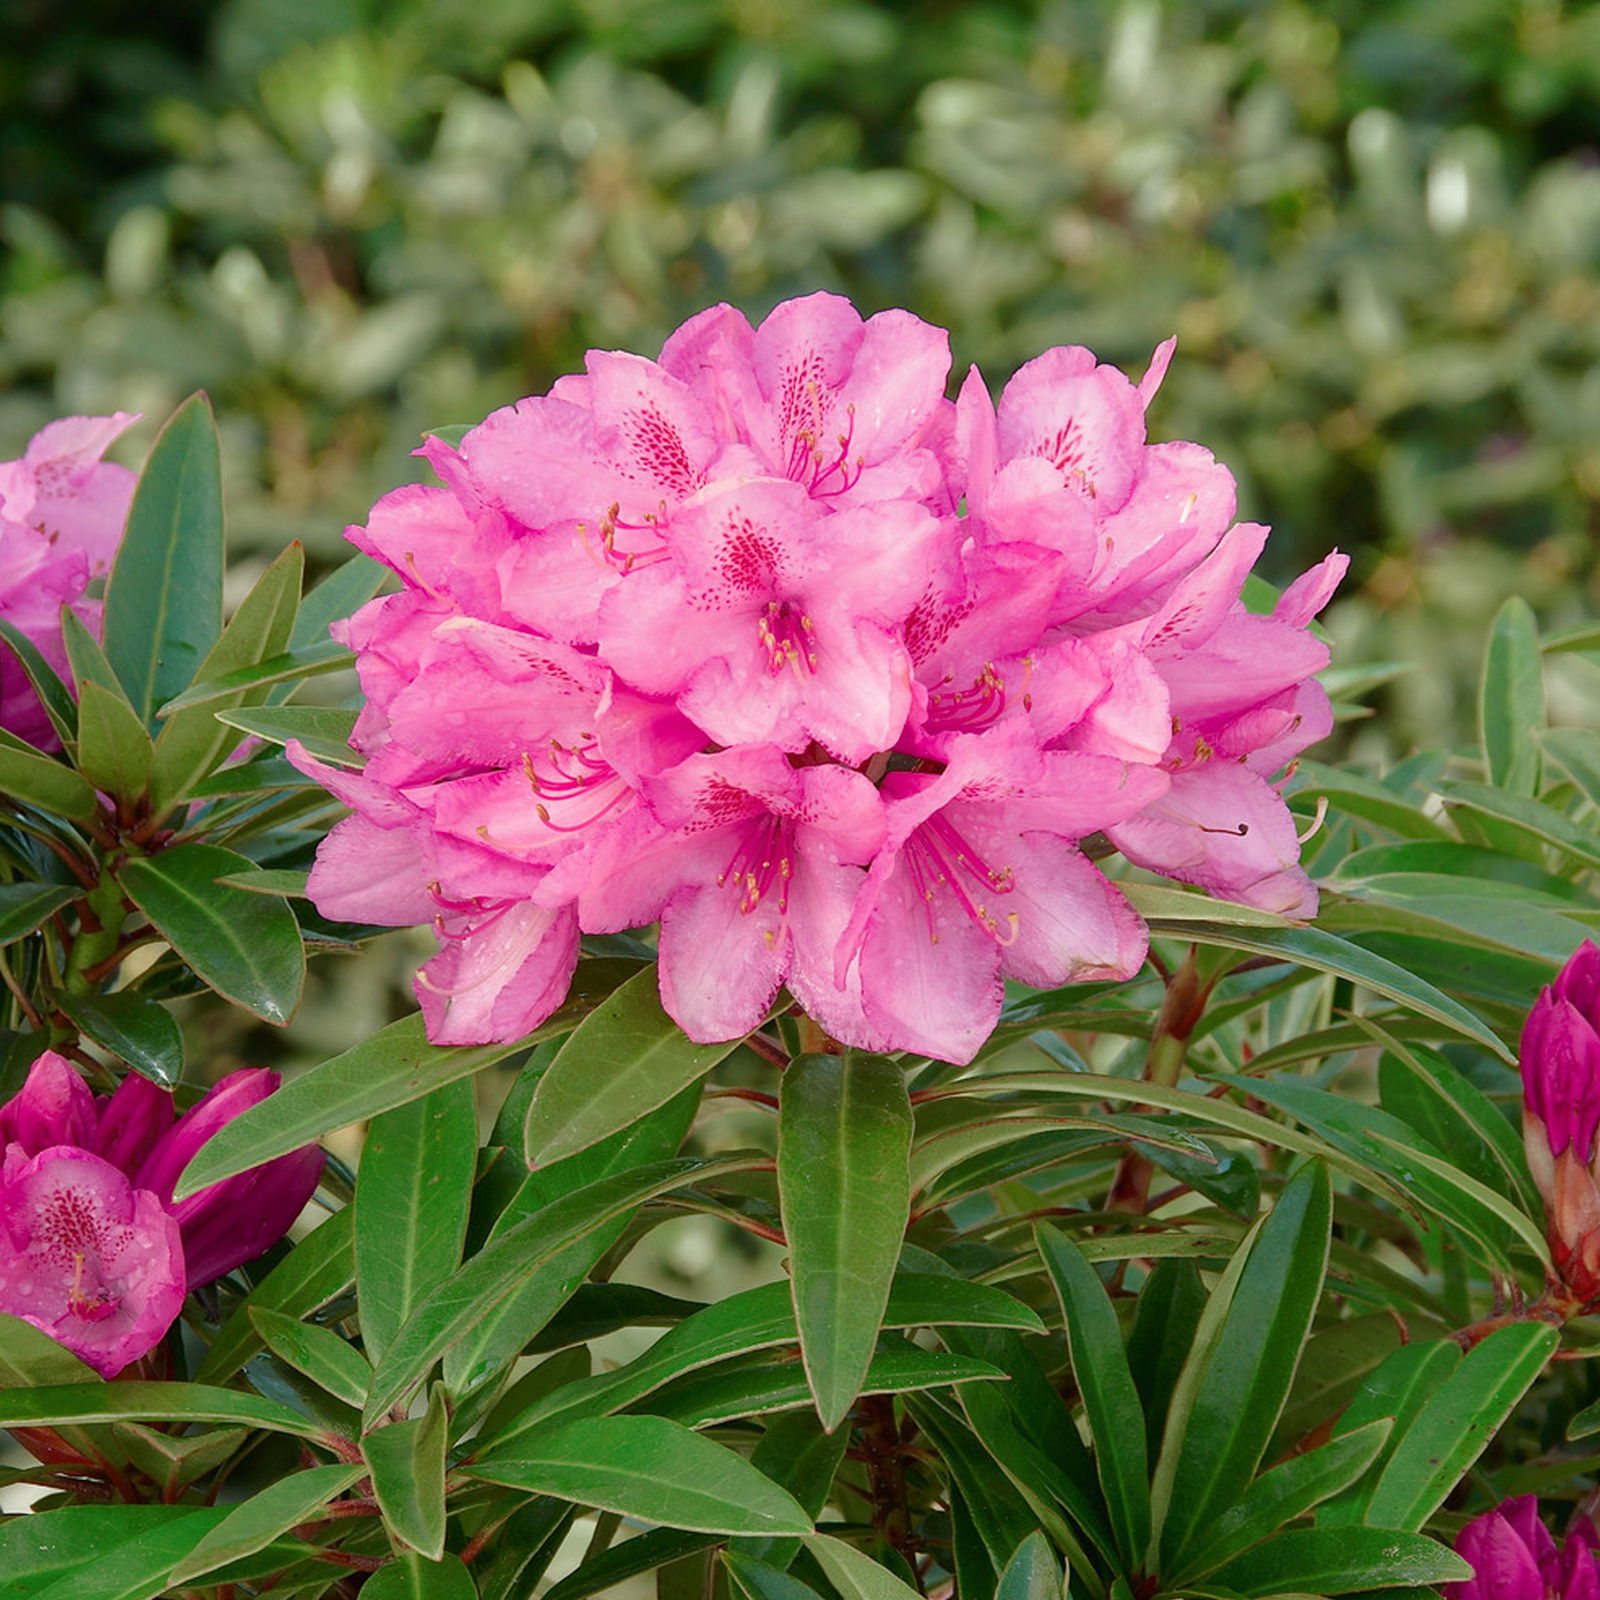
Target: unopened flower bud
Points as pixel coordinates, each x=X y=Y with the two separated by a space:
x=1514 y=1557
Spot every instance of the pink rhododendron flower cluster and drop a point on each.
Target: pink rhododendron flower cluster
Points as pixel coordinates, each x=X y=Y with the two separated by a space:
x=1514 y=1557
x=94 y=1250
x=770 y=642
x=61 y=515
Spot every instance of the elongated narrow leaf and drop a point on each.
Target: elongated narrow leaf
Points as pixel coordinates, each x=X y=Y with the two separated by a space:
x=844 y=1145
x=330 y=1362
x=1333 y=1561
x=797 y=1453
x=163 y=608
x=143 y=1033
x=323 y=730
x=1033 y=1573
x=412 y=1196
x=501 y=1268
x=53 y=694
x=854 y=1575
x=288 y=666
x=98 y=1552
x=24 y=906
x=176 y=1402
x=413 y=1577
x=246 y=948
x=192 y=743
x=755 y=1580
x=114 y=748
x=30 y=1358
x=256 y=1522
x=631 y=1045
x=392 y=1068
x=1110 y=1399
x=31 y=779
x=1457 y=1421
x=1511 y=698
x=652 y=1469
x=1533 y=818
x=1230 y=1397
x=407 y=1462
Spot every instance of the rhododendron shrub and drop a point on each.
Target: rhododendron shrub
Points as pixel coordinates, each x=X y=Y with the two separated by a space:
x=61 y=514
x=771 y=643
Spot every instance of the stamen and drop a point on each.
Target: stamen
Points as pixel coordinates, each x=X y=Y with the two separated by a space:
x=762 y=859
x=787 y=636
x=938 y=857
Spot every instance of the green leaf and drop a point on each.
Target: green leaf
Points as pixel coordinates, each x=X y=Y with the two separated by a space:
x=323 y=730
x=24 y=906
x=319 y=1267
x=53 y=694
x=796 y=1452
x=330 y=1362
x=658 y=1550
x=1033 y=1573
x=191 y=743
x=636 y=1050
x=1243 y=1362
x=1577 y=750
x=1455 y=1423
x=288 y=666
x=174 y=1461
x=114 y=749
x=346 y=588
x=1170 y=1304
x=1511 y=698
x=413 y=1577
x=844 y=1186
x=755 y=1580
x=98 y=1552
x=255 y=1523
x=31 y=1359
x=272 y=880
x=393 y=1067
x=174 y=1402
x=652 y=1469
x=412 y=1195
x=1110 y=1399
x=163 y=608
x=36 y=780
x=141 y=1032
x=1174 y=907
x=1281 y=1495
x=245 y=947
x=854 y=1575
x=407 y=1462
x=501 y=1268
x=1331 y=1561
x=1537 y=822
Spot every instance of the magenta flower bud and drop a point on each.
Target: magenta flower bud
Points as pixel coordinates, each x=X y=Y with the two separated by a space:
x=54 y=1106
x=1514 y=1557
x=233 y=1221
x=87 y=1258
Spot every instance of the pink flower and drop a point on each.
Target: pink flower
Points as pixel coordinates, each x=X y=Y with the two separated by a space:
x=1514 y=1557
x=1560 y=1059
x=769 y=642
x=61 y=514
x=96 y=1251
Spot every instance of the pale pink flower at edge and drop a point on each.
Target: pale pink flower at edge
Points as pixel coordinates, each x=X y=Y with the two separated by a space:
x=772 y=644
x=94 y=1251
x=62 y=511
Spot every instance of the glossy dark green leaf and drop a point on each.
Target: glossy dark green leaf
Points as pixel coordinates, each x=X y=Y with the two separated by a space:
x=1164 y=1320
x=163 y=607
x=755 y=1580
x=392 y=1068
x=407 y=1463
x=191 y=743
x=24 y=906
x=844 y=1144
x=114 y=749
x=329 y=1361
x=413 y=1577
x=176 y=1402
x=141 y=1032
x=529 y=1539
x=29 y=778
x=89 y=1552
x=53 y=694
x=503 y=1266
x=1455 y=1423
x=856 y=1576
x=319 y=1267
x=245 y=947
x=30 y=1358
x=323 y=730
x=657 y=1550
x=632 y=1046
x=412 y=1195
x=1110 y=1399
x=1333 y=1561
x=254 y=1523
x=288 y=666
x=1244 y=1359
x=173 y=1461
x=652 y=1469
x=1033 y=1573
x=1511 y=698
x=1281 y=1495
x=796 y=1452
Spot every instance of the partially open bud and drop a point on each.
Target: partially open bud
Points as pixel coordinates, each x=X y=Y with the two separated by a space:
x=1560 y=1061
x=1514 y=1557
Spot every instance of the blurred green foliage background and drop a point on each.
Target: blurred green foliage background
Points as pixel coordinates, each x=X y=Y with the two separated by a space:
x=1374 y=225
